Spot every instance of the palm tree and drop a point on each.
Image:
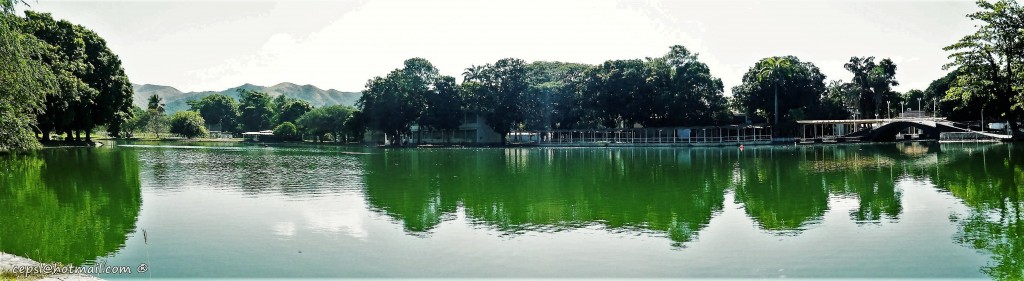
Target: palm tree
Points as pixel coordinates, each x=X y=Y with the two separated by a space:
x=473 y=72
x=156 y=103
x=772 y=68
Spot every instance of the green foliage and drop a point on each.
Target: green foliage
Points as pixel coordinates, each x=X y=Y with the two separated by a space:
x=220 y=109
x=875 y=82
x=156 y=122
x=93 y=89
x=444 y=106
x=289 y=110
x=24 y=82
x=392 y=103
x=326 y=120
x=255 y=111
x=501 y=96
x=188 y=124
x=799 y=87
x=286 y=130
x=989 y=62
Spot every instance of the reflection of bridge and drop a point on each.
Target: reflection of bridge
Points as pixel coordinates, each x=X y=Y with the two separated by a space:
x=888 y=130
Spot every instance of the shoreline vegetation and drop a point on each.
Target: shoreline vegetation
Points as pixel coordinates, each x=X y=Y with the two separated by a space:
x=66 y=82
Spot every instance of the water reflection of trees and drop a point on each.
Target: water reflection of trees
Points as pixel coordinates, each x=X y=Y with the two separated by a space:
x=68 y=205
x=518 y=190
x=989 y=179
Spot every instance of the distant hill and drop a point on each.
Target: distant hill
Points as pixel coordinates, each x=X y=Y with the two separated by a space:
x=175 y=100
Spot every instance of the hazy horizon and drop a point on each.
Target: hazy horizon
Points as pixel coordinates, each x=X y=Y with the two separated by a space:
x=198 y=46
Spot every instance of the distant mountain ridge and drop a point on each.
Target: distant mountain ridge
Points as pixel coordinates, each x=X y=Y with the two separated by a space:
x=176 y=100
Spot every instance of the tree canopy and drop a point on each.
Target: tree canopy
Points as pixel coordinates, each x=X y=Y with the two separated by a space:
x=989 y=61
x=255 y=111
x=218 y=109
x=188 y=124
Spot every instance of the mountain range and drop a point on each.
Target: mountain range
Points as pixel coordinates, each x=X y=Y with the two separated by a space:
x=175 y=100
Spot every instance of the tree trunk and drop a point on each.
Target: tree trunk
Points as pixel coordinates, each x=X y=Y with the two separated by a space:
x=68 y=136
x=46 y=135
x=1011 y=121
x=504 y=139
x=88 y=135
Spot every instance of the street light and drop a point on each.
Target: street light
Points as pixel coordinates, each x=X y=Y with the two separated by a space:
x=888 y=110
x=919 y=105
x=935 y=106
x=903 y=109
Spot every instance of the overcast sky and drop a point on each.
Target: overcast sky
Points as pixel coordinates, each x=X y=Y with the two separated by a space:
x=204 y=45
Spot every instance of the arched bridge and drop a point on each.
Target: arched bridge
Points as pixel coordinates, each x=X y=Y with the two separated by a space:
x=880 y=130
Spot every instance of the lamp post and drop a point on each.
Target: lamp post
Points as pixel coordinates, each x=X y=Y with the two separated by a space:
x=903 y=105
x=935 y=107
x=888 y=110
x=982 y=119
x=919 y=105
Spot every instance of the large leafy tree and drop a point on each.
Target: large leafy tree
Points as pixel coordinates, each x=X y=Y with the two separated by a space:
x=559 y=89
x=94 y=89
x=217 y=109
x=619 y=92
x=444 y=106
x=188 y=124
x=989 y=62
x=502 y=95
x=25 y=81
x=684 y=91
x=952 y=107
x=289 y=109
x=875 y=81
x=392 y=103
x=326 y=120
x=801 y=87
x=255 y=111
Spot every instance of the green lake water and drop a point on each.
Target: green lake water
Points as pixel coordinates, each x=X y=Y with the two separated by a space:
x=228 y=210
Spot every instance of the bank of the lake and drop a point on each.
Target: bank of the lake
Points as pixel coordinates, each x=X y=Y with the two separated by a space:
x=9 y=262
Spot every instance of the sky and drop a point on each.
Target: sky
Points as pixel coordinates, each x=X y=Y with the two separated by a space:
x=215 y=45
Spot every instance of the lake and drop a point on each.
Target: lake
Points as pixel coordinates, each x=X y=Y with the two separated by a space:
x=896 y=210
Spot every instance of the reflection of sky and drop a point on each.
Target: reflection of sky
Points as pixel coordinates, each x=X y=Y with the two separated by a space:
x=345 y=216
x=339 y=215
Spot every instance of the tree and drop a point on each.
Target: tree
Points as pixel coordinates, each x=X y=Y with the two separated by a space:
x=188 y=124
x=326 y=120
x=444 y=106
x=25 y=81
x=137 y=122
x=989 y=62
x=771 y=70
x=800 y=87
x=292 y=109
x=356 y=125
x=684 y=91
x=157 y=121
x=221 y=109
x=501 y=97
x=392 y=103
x=255 y=111
x=94 y=89
x=950 y=106
x=286 y=131
x=875 y=82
